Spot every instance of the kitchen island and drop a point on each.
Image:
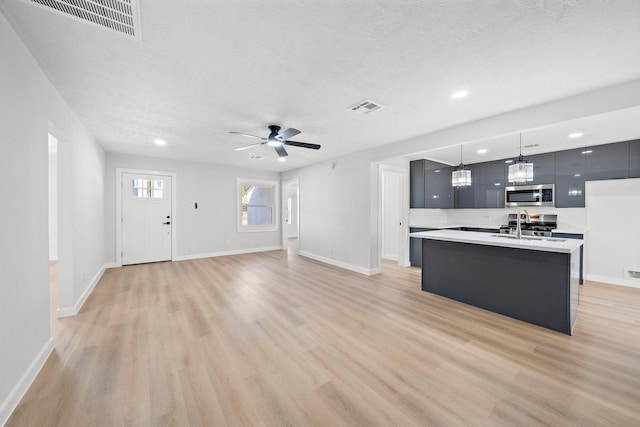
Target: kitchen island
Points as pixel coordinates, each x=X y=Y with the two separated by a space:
x=533 y=279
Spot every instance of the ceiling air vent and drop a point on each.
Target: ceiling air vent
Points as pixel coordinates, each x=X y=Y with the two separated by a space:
x=365 y=107
x=117 y=15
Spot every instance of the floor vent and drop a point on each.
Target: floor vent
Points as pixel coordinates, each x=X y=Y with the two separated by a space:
x=366 y=107
x=117 y=15
x=633 y=273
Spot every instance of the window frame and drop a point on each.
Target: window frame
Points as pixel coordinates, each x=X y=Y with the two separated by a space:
x=275 y=186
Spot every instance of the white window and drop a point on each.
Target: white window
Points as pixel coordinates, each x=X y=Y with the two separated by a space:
x=148 y=188
x=257 y=205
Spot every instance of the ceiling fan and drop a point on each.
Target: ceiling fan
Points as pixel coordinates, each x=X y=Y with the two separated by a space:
x=278 y=140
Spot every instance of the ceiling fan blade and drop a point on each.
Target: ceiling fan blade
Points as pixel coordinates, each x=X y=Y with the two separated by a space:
x=287 y=133
x=281 y=151
x=246 y=134
x=249 y=146
x=302 y=144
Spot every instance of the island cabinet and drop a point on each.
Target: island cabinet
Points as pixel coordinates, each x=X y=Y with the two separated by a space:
x=504 y=275
x=634 y=159
x=570 y=179
x=609 y=161
x=416 y=184
x=438 y=190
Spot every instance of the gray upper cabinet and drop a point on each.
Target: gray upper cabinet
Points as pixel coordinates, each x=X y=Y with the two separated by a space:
x=634 y=159
x=609 y=161
x=437 y=184
x=570 y=178
x=469 y=197
x=544 y=168
x=416 y=184
x=493 y=177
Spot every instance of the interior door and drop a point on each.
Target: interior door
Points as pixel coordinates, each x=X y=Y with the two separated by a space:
x=146 y=218
x=391 y=214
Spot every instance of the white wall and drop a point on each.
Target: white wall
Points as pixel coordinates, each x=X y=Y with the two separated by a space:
x=613 y=239
x=207 y=231
x=53 y=198
x=30 y=107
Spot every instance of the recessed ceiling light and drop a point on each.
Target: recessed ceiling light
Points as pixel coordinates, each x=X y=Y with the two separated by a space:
x=577 y=174
x=482 y=151
x=160 y=142
x=497 y=184
x=459 y=94
x=587 y=152
x=508 y=161
x=575 y=135
x=282 y=159
x=437 y=171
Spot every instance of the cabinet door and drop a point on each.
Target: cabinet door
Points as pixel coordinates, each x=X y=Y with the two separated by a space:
x=570 y=178
x=469 y=197
x=493 y=177
x=437 y=184
x=544 y=168
x=416 y=184
x=634 y=159
x=609 y=161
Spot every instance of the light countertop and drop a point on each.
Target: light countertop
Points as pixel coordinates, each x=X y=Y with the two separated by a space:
x=548 y=244
x=444 y=226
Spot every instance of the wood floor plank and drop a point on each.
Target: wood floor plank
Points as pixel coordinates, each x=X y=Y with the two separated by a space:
x=272 y=338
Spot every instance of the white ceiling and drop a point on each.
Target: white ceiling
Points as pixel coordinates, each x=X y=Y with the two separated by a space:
x=202 y=69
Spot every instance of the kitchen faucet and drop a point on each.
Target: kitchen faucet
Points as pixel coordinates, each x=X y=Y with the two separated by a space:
x=518 y=229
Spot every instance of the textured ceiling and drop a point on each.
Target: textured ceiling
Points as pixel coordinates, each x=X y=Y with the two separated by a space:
x=202 y=69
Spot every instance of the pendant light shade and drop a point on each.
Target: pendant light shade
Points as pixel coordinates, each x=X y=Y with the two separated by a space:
x=521 y=171
x=461 y=177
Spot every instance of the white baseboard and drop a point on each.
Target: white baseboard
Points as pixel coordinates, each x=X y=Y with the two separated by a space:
x=72 y=311
x=225 y=253
x=632 y=283
x=368 y=272
x=16 y=394
x=390 y=257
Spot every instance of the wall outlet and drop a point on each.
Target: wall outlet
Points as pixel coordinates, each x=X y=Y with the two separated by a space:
x=228 y=242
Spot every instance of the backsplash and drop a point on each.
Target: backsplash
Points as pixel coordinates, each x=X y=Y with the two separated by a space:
x=569 y=219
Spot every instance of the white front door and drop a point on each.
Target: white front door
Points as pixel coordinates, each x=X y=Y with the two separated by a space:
x=391 y=214
x=146 y=218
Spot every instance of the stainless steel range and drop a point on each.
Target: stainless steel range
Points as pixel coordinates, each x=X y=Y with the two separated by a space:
x=537 y=225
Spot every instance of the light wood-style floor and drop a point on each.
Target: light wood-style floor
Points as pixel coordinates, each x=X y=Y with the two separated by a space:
x=274 y=339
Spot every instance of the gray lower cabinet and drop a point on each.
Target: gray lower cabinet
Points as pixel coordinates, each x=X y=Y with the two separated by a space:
x=634 y=159
x=415 y=247
x=437 y=184
x=574 y=236
x=416 y=184
x=609 y=161
x=570 y=179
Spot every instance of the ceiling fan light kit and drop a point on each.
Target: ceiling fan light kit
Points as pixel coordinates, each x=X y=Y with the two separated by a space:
x=277 y=140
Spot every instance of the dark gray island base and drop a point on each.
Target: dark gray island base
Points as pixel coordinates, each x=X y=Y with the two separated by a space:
x=534 y=286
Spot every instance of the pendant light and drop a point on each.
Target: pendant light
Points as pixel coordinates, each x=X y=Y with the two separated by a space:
x=521 y=171
x=461 y=177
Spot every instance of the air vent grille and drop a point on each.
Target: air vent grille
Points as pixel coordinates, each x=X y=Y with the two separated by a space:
x=365 y=107
x=117 y=15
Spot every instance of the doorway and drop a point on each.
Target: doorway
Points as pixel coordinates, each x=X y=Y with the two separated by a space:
x=145 y=220
x=291 y=223
x=53 y=230
x=393 y=212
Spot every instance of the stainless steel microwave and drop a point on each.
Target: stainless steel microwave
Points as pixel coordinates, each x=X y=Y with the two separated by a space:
x=529 y=195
